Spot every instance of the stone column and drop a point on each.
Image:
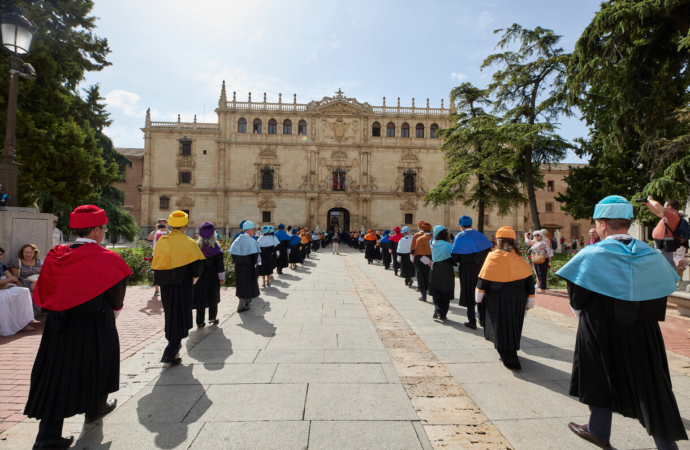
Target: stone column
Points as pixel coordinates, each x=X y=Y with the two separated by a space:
x=220 y=186
x=145 y=191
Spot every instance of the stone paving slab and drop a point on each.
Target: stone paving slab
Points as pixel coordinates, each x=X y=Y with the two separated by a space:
x=358 y=402
x=266 y=435
x=363 y=435
x=330 y=373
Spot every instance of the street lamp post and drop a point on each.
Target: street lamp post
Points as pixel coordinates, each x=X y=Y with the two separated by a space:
x=17 y=34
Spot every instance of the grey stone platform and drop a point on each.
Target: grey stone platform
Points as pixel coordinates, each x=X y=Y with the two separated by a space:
x=306 y=369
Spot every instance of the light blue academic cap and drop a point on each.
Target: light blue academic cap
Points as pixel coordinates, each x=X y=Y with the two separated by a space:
x=613 y=207
x=248 y=225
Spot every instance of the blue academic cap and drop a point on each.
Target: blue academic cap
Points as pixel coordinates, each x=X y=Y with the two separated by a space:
x=613 y=207
x=438 y=229
x=465 y=221
x=406 y=229
x=281 y=226
x=247 y=225
x=265 y=229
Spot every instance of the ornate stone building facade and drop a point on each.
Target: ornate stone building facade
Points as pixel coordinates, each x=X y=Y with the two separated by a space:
x=336 y=163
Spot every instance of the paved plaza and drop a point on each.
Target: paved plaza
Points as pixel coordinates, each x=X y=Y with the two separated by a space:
x=341 y=355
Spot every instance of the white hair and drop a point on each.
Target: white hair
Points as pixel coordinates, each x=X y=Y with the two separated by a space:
x=542 y=233
x=209 y=241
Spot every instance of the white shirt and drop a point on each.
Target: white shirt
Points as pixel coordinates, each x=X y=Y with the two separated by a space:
x=57 y=236
x=620 y=237
x=85 y=241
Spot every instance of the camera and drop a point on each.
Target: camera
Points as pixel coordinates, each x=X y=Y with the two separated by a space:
x=641 y=200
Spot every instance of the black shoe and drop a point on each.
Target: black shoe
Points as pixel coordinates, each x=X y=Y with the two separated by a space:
x=243 y=309
x=107 y=409
x=443 y=318
x=470 y=325
x=173 y=361
x=199 y=325
x=435 y=316
x=513 y=366
x=54 y=444
x=422 y=299
x=248 y=301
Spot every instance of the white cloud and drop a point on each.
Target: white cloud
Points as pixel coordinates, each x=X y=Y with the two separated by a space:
x=125 y=136
x=484 y=20
x=125 y=102
x=458 y=76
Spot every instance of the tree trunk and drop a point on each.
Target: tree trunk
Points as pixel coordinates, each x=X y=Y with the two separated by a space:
x=480 y=205
x=529 y=181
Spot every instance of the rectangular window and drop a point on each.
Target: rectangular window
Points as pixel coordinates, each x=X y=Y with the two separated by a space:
x=266 y=216
x=186 y=211
x=287 y=129
x=302 y=130
x=549 y=207
x=549 y=186
x=486 y=220
x=408 y=219
x=272 y=128
x=390 y=132
x=242 y=127
x=376 y=132
x=575 y=232
x=186 y=148
x=405 y=132
x=185 y=177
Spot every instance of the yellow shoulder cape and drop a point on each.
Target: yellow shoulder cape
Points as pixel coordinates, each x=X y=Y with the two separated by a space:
x=504 y=267
x=175 y=250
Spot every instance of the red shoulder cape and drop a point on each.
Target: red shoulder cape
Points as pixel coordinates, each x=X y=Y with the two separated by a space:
x=70 y=277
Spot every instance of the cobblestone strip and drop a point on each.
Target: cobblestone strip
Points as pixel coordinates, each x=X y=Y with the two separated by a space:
x=448 y=415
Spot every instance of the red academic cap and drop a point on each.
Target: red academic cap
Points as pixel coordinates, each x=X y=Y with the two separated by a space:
x=87 y=216
x=396 y=229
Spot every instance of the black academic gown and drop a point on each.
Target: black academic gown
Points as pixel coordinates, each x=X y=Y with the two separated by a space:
x=385 y=252
x=505 y=311
x=442 y=284
x=469 y=266
x=177 y=292
x=266 y=267
x=620 y=361
x=394 y=256
x=283 y=257
x=246 y=274
x=78 y=360
x=422 y=274
x=407 y=266
x=207 y=287
x=370 y=250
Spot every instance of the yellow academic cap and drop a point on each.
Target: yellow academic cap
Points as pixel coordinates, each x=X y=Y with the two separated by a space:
x=178 y=219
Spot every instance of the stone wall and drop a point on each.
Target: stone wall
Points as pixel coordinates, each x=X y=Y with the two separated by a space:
x=133 y=180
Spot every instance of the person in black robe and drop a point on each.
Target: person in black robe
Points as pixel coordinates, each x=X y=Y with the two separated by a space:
x=370 y=243
x=316 y=241
x=78 y=360
x=442 y=275
x=407 y=269
x=394 y=249
x=282 y=249
x=295 y=245
x=207 y=288
x=618 y=288
x=421 y=248
x=470 y=249
x=267 y=246
x=506 y=285
x=246 y=256
x=176 y=263
x=385 y=245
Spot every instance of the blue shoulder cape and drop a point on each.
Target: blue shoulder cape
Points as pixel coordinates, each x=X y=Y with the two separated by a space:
x=237 y=235
x=633 y=272
x=440 y=250
x=470 y=241
x=282 y=235
x=385 y=240
x=244 y=245
x=295 y=239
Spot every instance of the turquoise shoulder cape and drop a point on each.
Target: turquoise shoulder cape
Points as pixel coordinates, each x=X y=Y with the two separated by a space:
x=244 y=245
x=470 y=241
x=440 y=250
x=633 y=272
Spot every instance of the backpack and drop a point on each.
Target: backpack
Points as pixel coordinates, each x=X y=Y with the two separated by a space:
x=683 y=230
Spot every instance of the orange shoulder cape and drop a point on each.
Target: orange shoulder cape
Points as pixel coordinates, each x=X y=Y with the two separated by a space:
x=504 y=267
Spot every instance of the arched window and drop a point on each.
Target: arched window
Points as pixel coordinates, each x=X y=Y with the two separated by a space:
x=390 y=129
x=257 y=126
x=419 y=130
x=163 y=202
x=272 y=127
x=302 y=128
x=287 y=126
x=409 y=184
x=433 y=129
x=405 y=130
x=242 y=125
x=376 y=129
x=267 y=180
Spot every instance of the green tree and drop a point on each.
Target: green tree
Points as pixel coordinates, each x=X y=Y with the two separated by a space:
x=481 y=168
x=527 y=90
x=56 y=143
x=629 y=77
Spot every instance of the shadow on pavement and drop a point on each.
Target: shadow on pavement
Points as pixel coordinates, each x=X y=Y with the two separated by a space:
x=256 y=322
x=153 y=307
x=269 y=292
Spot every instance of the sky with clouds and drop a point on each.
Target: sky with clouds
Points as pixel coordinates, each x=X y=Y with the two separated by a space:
x=172 y=55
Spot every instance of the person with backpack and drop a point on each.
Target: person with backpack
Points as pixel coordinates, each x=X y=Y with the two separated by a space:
x=671 y=231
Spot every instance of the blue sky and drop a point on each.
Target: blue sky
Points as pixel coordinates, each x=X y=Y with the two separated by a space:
x=171 y=56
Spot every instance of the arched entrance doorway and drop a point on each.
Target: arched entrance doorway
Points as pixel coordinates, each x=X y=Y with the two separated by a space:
x=338 y=220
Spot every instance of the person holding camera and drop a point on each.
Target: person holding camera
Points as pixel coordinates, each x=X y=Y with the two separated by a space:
x=666 y=233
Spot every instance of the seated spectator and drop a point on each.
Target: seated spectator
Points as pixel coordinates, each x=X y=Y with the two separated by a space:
x=16 y=308
x=26 y=267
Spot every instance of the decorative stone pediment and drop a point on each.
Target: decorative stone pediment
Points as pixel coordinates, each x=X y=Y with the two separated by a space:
x=410 y=156
x=184 y=201
x=408 y=205
x=338 y=154
x=268 y=153
x=185 y=162
x=339 y=104
x=266 y=203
